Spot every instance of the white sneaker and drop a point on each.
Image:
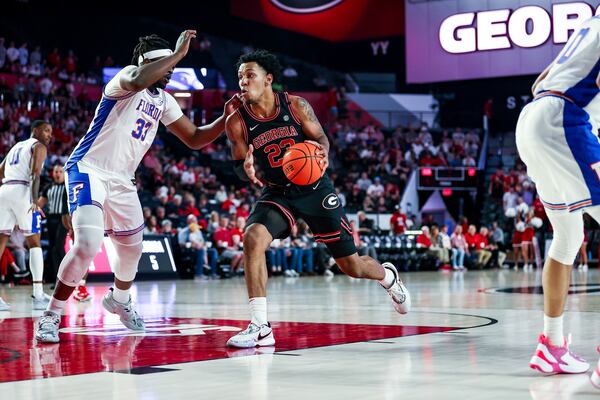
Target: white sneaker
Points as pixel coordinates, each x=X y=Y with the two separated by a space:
x=289 y=273
x=398 y=292
x=253 y=336
x=328 y=273
x=128 y=316
x=47 y=328
x=4 y=306
x=40 y=303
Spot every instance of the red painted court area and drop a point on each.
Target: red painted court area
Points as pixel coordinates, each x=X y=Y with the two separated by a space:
x=94 y=347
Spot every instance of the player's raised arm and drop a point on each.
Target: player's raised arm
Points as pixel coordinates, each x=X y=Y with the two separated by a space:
x=197 y=137
x=148 y=72
x=312 y=127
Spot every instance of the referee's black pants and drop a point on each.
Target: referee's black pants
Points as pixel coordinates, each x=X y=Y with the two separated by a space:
x=56 y=246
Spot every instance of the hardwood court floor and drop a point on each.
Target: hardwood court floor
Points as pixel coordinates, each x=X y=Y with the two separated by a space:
x=469 y=336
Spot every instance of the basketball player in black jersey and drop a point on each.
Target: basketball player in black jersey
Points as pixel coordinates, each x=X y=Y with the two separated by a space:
x=259 y=132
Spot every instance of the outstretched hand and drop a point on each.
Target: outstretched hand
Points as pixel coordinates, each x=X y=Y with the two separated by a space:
x=232 y=105
x=183 y=42
x=249 y=167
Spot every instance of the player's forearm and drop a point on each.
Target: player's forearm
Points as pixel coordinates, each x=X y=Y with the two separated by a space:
x=207 y=134
x=35 y=188
x=148 y=74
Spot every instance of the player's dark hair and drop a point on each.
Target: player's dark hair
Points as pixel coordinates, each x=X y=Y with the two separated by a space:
x=266 y=60
x=37 y=123
x=148 y=43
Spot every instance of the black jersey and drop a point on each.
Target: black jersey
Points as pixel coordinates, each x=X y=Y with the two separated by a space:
x=272 y=136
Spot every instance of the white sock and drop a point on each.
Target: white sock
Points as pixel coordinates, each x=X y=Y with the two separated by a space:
x=553 y=330
x=82 y=283
x=258 y=310
x=122 y=296
x=389 y=279
x=56 y=306
x=36 y=265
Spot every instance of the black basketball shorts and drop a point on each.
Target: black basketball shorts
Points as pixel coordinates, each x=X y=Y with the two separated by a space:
x=317 y=204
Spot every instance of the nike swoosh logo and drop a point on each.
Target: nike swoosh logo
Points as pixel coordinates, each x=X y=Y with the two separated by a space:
x=253 y=127
x=317 y=185
x=261 y=336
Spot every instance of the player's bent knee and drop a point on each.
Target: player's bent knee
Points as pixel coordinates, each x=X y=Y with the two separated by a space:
x=87 y=243
x=75 y=264
x=256 y=239
x=129 y=251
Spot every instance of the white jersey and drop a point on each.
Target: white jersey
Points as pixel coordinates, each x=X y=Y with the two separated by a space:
x=123 y=128
x=575 y=70
x=17 y=168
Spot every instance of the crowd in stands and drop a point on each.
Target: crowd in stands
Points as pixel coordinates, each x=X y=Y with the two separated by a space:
x=34 y=62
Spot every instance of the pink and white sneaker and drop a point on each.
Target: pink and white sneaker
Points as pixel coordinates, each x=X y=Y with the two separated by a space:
x=595 y=378
x=551 y=359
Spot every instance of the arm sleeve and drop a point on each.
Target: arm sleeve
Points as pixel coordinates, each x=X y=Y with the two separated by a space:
x=172 y=110
x=113 y=89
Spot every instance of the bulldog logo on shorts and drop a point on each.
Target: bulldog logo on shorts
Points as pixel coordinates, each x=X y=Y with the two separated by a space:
x=331 y=201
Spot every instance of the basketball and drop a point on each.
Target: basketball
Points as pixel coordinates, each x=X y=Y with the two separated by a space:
x=301 y=164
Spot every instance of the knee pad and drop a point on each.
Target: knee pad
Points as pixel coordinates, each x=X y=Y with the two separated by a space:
x=76 y=262
x=568 y=236
x=129 y=251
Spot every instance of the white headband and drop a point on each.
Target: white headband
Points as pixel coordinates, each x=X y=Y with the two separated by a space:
x=154 y=54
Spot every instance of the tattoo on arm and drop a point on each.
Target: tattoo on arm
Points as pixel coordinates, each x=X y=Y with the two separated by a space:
x=308 y=111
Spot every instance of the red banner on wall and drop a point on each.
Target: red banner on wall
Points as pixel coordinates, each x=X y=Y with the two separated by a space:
x=333 y=20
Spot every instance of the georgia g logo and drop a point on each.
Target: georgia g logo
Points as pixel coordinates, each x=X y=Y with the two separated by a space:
x=331 y=201
x=305 y=6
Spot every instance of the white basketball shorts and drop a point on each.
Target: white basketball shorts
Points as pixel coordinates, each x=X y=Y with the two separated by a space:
x=557 y=143
x=115 y=195
x=15 y=209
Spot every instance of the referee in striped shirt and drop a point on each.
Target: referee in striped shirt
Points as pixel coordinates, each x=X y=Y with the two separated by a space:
x=55 y=198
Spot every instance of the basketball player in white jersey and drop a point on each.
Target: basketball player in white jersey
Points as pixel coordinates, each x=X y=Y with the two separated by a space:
x=557 y=139
x=20 y=174
x=100 y=171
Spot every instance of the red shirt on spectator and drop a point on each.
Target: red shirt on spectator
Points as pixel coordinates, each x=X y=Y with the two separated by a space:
x=423 y=240
x=511 y=180
x=237 y=231
x=187 y=210
x=223 y=235
x=471 y=240
x=481 y=242
x=398 y=222
x=241 y=212
x=227 y=204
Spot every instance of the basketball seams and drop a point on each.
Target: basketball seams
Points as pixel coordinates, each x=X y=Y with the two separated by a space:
x=299 y=169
